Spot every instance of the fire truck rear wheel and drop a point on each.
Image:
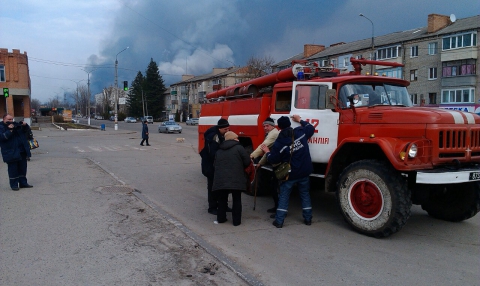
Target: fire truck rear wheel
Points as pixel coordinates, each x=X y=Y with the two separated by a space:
x=455 y=202
x=373 y=198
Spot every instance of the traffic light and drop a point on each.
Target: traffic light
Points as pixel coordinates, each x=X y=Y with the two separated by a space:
x=5 y=92
x=125 y=85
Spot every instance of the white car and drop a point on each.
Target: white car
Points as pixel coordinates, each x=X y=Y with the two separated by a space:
x=169 y=127
x=130 y=120
x=192 y=121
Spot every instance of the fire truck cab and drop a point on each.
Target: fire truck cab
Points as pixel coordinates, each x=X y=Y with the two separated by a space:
x=372 y=147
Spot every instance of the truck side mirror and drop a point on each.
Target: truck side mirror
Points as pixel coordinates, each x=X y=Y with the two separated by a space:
x=330 y=99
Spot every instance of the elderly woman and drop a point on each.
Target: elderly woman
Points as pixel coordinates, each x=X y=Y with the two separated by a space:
x=230 y=177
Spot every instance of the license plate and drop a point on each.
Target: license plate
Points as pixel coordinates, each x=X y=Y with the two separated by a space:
x=474 y=176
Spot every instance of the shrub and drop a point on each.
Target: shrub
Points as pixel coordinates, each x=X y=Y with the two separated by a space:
x=58 y=118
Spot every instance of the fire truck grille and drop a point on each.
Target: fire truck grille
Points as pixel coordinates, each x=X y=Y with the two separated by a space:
x=459 y=143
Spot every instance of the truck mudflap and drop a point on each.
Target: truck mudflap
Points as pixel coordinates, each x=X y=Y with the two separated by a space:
x=448 y=176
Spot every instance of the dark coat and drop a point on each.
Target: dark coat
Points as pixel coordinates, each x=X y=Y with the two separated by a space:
x=230 y=163
x=13 y=142
x=144 y=131
x=213 y=139
x=301 y=163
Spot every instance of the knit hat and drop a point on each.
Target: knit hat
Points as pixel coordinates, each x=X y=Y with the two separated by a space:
x=230 y=135
x=222 y=123
x=283 y=122
x=269 y=121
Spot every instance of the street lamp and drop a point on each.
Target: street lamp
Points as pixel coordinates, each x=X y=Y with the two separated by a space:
x=116 y=88
x=373 y=43
x=89 y=96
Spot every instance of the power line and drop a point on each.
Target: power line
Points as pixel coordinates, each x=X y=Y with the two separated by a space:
x=67 y=64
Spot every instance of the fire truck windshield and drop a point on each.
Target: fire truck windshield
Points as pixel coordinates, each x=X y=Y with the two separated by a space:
x=374 y=94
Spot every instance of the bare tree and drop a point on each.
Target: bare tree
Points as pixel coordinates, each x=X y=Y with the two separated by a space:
x=35 y=104
x=258 y=67
x=55 y=101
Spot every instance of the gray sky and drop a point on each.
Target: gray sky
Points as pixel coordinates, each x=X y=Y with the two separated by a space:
x=65 y=39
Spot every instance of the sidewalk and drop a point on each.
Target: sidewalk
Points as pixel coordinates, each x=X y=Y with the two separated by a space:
x=78 y=225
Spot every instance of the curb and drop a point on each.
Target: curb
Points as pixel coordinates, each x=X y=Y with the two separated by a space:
x=227 y=262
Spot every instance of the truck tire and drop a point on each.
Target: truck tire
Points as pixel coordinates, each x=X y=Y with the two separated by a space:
x=373 y=198
x=455 y=202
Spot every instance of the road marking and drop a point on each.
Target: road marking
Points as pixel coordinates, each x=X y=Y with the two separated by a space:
x=111 y=148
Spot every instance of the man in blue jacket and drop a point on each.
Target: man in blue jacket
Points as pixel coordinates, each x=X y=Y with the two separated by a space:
x=214 y=136
x=300 y=162
x=15 y=150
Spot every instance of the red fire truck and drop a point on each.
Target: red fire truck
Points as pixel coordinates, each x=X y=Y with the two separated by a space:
x=372 y=147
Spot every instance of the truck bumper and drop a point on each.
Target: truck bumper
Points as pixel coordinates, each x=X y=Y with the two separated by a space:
x=448 y=176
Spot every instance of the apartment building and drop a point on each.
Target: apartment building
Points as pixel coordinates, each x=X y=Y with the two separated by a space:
x=440 y=60
x=186 y=96
x=14 y=75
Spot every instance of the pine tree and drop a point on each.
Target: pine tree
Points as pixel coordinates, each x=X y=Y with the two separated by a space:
x=154 y=90
x=134 y=100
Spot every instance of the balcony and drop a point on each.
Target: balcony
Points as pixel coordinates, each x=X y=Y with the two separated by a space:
x=459 y=54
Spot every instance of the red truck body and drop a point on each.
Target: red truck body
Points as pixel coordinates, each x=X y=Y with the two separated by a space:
x=372 y=147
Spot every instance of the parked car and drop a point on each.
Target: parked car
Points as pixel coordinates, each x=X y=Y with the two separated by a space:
x=130 y=120
x=149 y=119
x=192 y=121
x=112 y=118
x=169 y=127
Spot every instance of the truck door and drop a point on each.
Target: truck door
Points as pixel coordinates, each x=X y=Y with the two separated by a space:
x=308 y=101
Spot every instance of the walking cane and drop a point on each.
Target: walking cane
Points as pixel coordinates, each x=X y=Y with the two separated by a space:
x=256 y=185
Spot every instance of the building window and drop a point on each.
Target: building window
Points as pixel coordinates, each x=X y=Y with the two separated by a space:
x=346 y=62
x=388 y=53
x=358 y=57
x=324 y=63
x=414 y=98
x=216 y=81
x=432 y=98
x=459 y=68
x=413 y=75
x=393 y=72
x=2 y=73
x=432 y=48
x=459 y=41
x=414 y=51
x=333 y=63
x=466 y=95
x=432 y=73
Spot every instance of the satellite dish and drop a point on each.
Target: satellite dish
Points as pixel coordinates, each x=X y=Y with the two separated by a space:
x=453 y=18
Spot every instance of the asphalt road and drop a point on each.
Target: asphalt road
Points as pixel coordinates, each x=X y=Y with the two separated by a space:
x=425 y=252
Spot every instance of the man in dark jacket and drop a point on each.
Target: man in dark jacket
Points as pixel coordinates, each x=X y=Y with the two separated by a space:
x=144 y=132
x=214 y=136
x=230 y=163
x=300 y=162
x=15 y=150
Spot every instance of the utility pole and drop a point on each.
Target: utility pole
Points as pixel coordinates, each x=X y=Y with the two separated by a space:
x=143 y=105
x=89 y=96
x=116 y=89
x=373 y=43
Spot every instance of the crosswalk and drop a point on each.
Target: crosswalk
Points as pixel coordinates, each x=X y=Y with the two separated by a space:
x=98 y=148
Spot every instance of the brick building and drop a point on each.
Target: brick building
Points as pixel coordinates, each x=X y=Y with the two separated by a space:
x=187 y=95
x=14 y=75
x=441 y=60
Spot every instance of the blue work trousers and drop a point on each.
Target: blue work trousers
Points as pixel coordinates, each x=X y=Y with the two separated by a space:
x=17 y=172
x=286 y=187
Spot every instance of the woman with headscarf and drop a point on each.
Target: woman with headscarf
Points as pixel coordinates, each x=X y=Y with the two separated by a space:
x=230 y=162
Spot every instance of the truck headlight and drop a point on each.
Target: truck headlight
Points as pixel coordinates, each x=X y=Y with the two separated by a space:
x=412 y=151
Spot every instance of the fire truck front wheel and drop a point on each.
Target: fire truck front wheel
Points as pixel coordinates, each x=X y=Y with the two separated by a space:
x=373 y=198
x=455 y=202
